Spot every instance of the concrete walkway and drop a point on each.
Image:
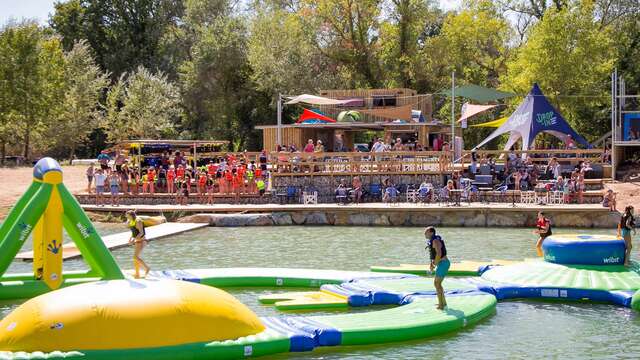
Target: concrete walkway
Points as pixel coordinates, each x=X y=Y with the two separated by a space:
x=115 y=241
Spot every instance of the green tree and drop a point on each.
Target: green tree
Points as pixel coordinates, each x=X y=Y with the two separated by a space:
x=81 y=111
x=141 y=105
x=212 y=80
x=32 y=78
x=220 y=99
x=408 y=24
x=7 y=96
x=68 y=20
x=282 y=54
x=123 y=34
x=473 y=43
x=571 y=58
x=347 y=32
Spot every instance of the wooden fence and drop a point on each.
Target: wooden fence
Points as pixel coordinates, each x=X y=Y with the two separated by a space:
x=410 y=162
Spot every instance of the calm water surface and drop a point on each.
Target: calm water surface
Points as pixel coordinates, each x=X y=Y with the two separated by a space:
x=519 y=329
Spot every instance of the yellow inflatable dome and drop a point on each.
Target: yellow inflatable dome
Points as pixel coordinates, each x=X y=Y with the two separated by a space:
x=125 y=314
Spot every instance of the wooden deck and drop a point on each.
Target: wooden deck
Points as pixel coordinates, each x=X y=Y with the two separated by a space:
x=115 y=241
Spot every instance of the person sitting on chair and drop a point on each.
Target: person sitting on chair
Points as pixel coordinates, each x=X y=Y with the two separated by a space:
x=609 y=200
x=390 y=194
x=424 y=192
x=357 y=189
x=446 y=190
x=341 y=193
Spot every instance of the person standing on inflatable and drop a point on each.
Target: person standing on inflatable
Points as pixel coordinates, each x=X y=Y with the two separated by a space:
x=627 y=223
x=439 y=261
x=138 y=239
x=543 y=229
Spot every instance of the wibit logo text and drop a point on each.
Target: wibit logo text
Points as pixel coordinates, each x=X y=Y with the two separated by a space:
x=26 y=229
x=84 y=231
x=546 y=119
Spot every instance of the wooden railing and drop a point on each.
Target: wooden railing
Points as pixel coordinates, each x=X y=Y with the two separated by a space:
x=540 y=157
x=406 y=162
x=409 y=162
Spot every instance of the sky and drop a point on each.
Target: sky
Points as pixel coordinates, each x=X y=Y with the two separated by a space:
x=40 y=9
x=31 y=9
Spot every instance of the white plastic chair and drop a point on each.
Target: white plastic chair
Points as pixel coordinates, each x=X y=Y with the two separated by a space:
x=556 y=197
x=527 y=197
x=412 y=196
x=310 y=197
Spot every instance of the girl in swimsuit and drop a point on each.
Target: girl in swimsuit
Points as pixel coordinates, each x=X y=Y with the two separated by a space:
x=210 y=189
x=626 y=225
x=137 y=239
x=543 y=230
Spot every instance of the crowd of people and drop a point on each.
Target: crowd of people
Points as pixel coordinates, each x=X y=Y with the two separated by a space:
x=236 y=174
x=172 y=174
x=307 y=159
x=526 y=174
x=375 y=145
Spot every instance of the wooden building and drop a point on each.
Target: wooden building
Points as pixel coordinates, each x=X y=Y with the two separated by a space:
x=299 y=134
x=390 y=113
x=369 y=100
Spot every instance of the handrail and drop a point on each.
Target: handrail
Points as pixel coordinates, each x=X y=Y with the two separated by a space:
x=545 y=151
x=406 y=162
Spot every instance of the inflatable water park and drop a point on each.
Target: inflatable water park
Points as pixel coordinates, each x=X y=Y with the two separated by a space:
x=104 y=313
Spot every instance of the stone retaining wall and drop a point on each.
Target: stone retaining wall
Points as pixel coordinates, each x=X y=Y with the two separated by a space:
x=466 y=218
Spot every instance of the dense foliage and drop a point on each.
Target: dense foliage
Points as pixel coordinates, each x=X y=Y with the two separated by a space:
x=108 y=70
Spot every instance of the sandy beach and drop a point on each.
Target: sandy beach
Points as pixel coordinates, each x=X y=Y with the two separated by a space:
x=14 y=182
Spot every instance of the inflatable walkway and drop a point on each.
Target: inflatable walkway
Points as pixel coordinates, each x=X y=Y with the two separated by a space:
x=160 y=306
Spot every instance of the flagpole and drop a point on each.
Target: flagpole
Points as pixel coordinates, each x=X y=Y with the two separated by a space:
x=279 y=129
x=453 y=113
x=614 y=129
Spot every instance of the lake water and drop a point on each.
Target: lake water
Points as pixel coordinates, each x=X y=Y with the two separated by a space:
x=519 y=329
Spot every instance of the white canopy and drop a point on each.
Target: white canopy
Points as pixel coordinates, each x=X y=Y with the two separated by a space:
x=468 y=110
x=315 y=100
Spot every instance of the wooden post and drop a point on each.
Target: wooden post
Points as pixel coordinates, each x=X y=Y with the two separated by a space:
x=195 y=156
x=139 y=160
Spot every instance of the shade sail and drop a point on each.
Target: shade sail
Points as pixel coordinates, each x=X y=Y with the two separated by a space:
x=478 y=93
x=398 y=112
x=534 y=115
x=468 y=110
x=312 y=117
x=316 y=100
x=493 y=123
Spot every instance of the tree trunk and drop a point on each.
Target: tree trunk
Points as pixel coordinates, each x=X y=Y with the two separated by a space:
x=3 y=152
x=72 y=154
x=27 y=134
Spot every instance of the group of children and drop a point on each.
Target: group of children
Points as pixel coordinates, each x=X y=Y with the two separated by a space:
x=224 y=176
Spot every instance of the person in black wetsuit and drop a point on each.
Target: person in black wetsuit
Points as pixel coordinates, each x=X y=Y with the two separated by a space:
x=439 y=261
x=137 y=239
x=626 y=225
